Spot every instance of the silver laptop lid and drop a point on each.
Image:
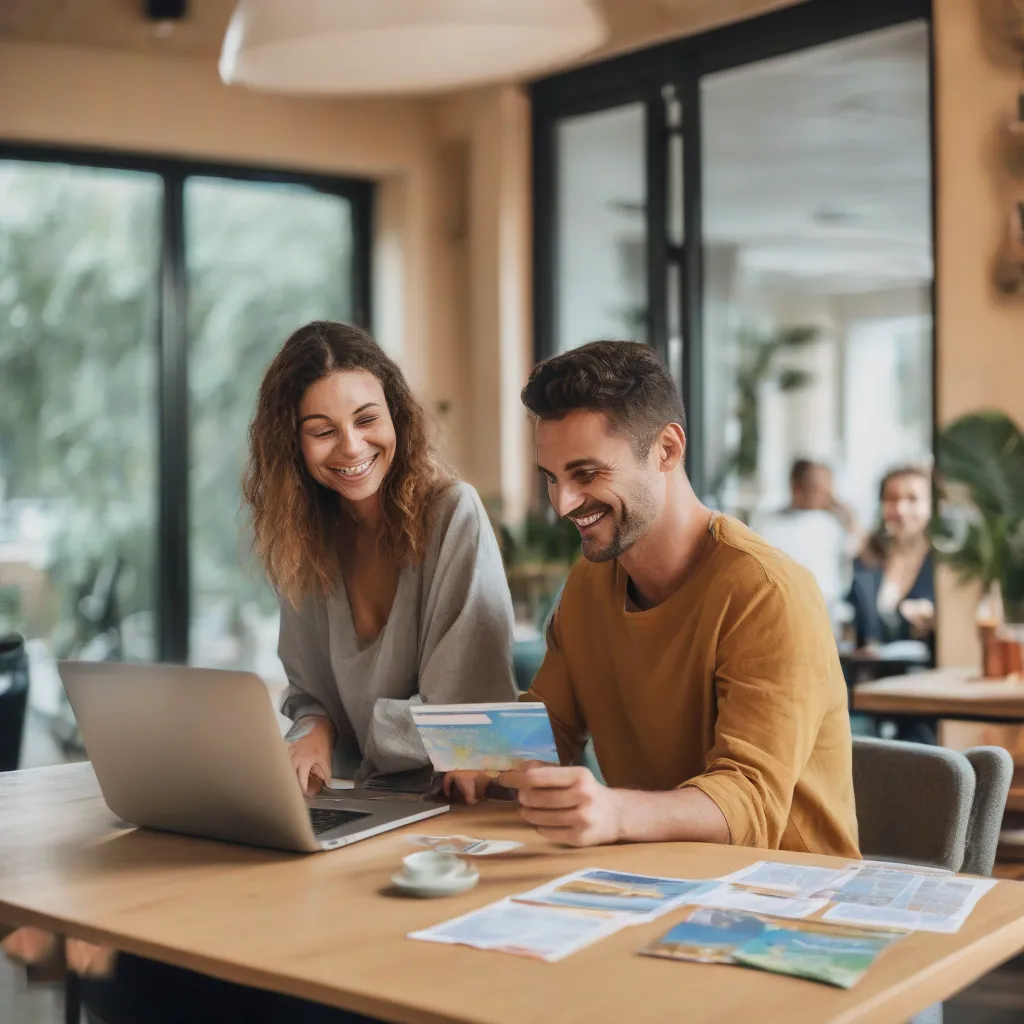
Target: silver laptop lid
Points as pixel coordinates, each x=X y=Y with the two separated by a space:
x=189 y=750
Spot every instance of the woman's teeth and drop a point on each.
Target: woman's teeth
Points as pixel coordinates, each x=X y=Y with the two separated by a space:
x=354 y=471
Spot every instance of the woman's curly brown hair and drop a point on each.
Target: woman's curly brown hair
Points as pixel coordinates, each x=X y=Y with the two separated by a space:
x=298 y=524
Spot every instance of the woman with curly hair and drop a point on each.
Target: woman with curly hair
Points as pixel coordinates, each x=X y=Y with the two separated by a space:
x=392 y=592
x=391 y=583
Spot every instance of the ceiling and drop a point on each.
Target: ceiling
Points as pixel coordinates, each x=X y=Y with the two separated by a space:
x=817 y=165
x=119 y=24
x=815 y=172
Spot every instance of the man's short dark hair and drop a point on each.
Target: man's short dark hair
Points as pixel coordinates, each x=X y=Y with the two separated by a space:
x=623 y=379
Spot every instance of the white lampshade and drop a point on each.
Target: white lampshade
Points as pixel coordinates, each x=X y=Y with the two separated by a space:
x=387 y=46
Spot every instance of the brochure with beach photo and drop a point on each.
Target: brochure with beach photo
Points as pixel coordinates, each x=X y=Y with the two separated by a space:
x=637 y=897
x=806 y=949
x=485 y=737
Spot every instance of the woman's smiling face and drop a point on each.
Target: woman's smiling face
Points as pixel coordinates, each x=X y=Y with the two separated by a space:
x=346 y=434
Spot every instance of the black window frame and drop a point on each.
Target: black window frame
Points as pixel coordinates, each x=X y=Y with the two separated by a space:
x=681 y=64
x=173 y=583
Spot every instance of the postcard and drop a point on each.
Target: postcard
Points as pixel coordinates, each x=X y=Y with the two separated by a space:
x=816 y=951
x=707 y=935
x=485 y=737
x=639 y=897
x=806 y=949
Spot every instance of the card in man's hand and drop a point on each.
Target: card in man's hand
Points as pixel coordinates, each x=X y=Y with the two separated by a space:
x=485 y=737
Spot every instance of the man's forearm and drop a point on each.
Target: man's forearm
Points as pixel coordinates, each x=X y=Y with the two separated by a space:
x=680 y=815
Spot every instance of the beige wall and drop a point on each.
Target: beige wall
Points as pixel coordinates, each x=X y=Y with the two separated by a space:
x=980 y=334
x=179 y=106
x=449 y=264
x=489 y=131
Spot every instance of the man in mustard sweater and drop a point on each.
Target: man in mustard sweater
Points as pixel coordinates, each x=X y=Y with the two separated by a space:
x=698 y=658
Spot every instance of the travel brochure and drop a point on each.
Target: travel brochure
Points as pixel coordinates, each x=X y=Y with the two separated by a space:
x=485 y=737
x=822 y=924
x=809 y=949
x=616 y=892
x=541 y=933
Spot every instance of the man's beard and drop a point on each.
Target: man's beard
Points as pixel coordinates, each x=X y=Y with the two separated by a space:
x=632 y=522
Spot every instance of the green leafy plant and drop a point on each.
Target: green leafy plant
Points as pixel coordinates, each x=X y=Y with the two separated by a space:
x=544 y=538
x=980 y=530
x=756 y=365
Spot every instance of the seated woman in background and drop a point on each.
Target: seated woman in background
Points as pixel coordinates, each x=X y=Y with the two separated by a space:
x=391 y=583
x=893 y=591
x=392 y=592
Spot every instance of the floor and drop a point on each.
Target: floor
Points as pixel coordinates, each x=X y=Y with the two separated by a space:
x=997 y=998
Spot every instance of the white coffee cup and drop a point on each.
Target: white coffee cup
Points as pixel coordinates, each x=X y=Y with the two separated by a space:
x=430 y=866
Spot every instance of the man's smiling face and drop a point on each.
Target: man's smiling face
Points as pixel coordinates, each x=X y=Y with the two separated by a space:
x=595 y=479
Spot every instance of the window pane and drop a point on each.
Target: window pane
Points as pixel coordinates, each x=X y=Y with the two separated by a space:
x=817 y=197
x=262 y=260
x=602 y=239
x=79 y=261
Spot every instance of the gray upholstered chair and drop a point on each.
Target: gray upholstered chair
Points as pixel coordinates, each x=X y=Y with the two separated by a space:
x=993 y=773
x=931 y=806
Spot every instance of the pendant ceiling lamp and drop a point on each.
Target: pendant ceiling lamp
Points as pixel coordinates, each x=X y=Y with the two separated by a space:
x=388 y=46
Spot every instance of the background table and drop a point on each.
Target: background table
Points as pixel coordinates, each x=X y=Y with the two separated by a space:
x=943 y=693
x=329 y=927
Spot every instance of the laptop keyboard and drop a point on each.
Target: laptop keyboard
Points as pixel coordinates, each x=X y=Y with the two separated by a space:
x=324 y=820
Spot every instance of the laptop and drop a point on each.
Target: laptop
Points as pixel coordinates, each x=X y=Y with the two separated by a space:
x=200 y=752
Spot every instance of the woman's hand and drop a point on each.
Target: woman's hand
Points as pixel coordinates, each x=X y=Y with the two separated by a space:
x=311 y=741
x=471 y=785
x=34 y=946
x=920 y=613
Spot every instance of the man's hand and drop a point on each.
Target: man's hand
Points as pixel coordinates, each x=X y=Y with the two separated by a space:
x=920 y=613
x=311 y=741
x=567 y=805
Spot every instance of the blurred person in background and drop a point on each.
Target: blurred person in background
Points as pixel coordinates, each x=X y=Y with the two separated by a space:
x=816 y=529
x=893 y=591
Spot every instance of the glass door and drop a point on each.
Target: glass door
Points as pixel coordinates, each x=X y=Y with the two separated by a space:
x=262 y=259
x=79 y=290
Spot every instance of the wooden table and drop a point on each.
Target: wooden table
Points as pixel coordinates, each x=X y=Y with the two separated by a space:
x=328 y=926
x=943 y=693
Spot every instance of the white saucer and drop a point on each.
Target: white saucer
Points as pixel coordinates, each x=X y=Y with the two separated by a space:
x=450 y=885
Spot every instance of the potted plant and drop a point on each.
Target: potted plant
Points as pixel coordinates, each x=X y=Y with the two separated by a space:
x=980 y=528
x=756 y=365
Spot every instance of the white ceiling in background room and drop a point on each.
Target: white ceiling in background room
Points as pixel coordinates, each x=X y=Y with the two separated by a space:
x=817 y=165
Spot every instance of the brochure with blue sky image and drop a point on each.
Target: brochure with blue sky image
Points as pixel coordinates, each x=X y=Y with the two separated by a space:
x=485 y=737
x=806 y=949
x=639 y=897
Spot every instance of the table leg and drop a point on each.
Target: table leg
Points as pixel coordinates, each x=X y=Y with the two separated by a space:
x=72 y=999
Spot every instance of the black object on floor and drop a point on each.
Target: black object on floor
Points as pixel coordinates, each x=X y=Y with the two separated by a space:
x=13 y=699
